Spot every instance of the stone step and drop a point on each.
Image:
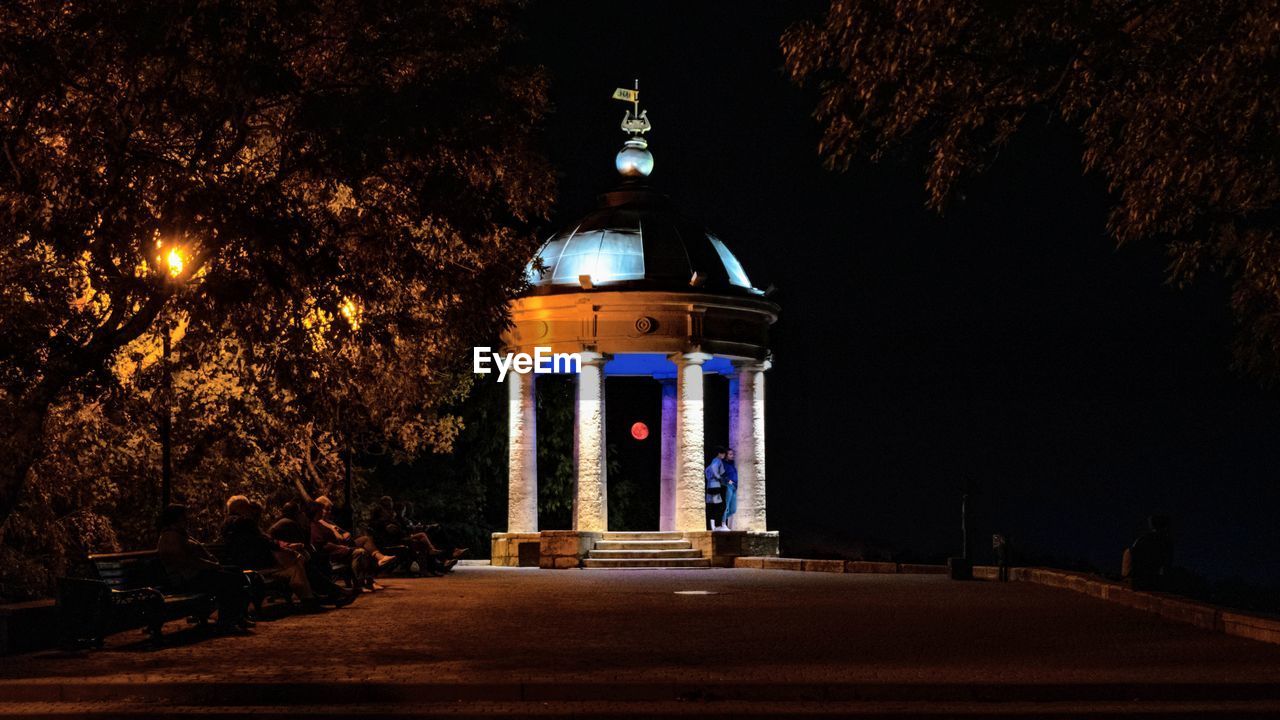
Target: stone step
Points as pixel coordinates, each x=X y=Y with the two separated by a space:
x=643 y=545
x=600 y=563
x=624 y=554
x=654 y=535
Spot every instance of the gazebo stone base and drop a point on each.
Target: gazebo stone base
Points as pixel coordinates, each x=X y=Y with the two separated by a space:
x=722 y=547
x=565 y=549
x=515 y=549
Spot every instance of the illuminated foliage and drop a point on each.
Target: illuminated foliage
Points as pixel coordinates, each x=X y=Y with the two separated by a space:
x=347 y=182
x=1175 y=101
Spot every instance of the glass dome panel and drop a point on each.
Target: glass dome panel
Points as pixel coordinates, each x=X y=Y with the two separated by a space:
x=737 y=276
x=549 y=255
x=606 y=255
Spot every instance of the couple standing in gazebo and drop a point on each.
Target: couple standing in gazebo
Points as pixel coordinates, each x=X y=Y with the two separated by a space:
x=722 y=490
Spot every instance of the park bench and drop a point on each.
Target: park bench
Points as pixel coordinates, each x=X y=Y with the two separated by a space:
x=128 y=590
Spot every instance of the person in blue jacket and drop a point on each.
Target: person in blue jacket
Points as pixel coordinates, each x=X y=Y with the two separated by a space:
x=715 y=490
x=730 y=490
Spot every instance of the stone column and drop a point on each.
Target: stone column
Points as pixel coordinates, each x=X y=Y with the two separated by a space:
x=690 y=502
x=668 y=471
x=591 y=497
x=734 y=417
x=522 y=454
x=734 y=424
x=748 y=445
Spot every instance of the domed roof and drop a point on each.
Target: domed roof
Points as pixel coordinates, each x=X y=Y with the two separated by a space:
x=636 y=240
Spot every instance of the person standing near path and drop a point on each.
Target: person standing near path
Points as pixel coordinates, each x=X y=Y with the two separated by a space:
x=730 y=490
x=715 y=490
x=1150 y=561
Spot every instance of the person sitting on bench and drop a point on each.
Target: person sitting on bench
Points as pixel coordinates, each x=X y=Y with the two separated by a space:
x=294 y=527
x=329 y=549
x=437 y=539
x=361 y=552
x=249 y=548
x=384 y=523
x=389 y=527
x=191 y=567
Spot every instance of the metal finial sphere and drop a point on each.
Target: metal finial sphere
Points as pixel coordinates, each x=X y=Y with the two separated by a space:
x=634 y=159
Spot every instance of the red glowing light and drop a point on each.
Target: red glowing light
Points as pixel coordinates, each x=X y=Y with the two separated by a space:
x=639 y=431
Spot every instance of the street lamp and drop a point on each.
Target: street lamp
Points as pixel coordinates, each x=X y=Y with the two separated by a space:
x=171 y=263
x=174 y=262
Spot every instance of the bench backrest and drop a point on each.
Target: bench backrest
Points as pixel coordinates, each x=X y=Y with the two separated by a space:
x=131 y=570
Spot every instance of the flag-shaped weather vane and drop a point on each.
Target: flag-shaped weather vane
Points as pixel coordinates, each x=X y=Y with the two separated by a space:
x=635 y=121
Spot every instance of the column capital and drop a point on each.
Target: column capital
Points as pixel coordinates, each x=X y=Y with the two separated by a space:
x=593 y=358
x=690 y=358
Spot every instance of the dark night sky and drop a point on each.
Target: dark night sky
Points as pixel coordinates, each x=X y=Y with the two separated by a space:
x=1008 y=341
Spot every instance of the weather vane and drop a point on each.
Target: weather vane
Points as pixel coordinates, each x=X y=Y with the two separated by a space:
x=635 y=121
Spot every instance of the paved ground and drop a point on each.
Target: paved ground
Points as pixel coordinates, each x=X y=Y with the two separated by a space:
x=518 y=635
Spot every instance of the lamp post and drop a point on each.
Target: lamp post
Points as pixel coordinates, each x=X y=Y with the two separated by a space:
x=348 y=509
x=166 y=420
x=961 y=568
x=352 y=311
x=173 y=263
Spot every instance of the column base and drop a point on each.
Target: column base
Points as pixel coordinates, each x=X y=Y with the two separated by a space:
x=515 y=549
x=723 y=546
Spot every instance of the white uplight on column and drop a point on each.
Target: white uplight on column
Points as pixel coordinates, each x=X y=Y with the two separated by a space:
x=668 y=470
x=591 y=496
x=690 y=503
x=522 y=457
x=749 y=446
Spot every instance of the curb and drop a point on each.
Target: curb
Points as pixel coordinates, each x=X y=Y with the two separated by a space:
x=348 y=694
x=1263 y=628
x=845 y=566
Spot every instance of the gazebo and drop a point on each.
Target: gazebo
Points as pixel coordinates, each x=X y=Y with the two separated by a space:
x=638 y=289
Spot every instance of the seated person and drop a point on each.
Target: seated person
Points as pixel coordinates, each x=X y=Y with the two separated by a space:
x=390 y=527
x=327 y=545
x=330 y=532
x=435 y=535
x=249 y=548
x=288 y=529
x=190 y=566
x=384 y=523
x=294 y=528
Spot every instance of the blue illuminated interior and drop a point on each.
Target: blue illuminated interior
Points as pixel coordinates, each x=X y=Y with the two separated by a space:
x=658 y=364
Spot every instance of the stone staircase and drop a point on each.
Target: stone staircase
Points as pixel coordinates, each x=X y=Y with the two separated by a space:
x=644 y=550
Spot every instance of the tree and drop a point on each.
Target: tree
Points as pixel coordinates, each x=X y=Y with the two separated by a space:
x=1175 y=102
x=299 y=161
